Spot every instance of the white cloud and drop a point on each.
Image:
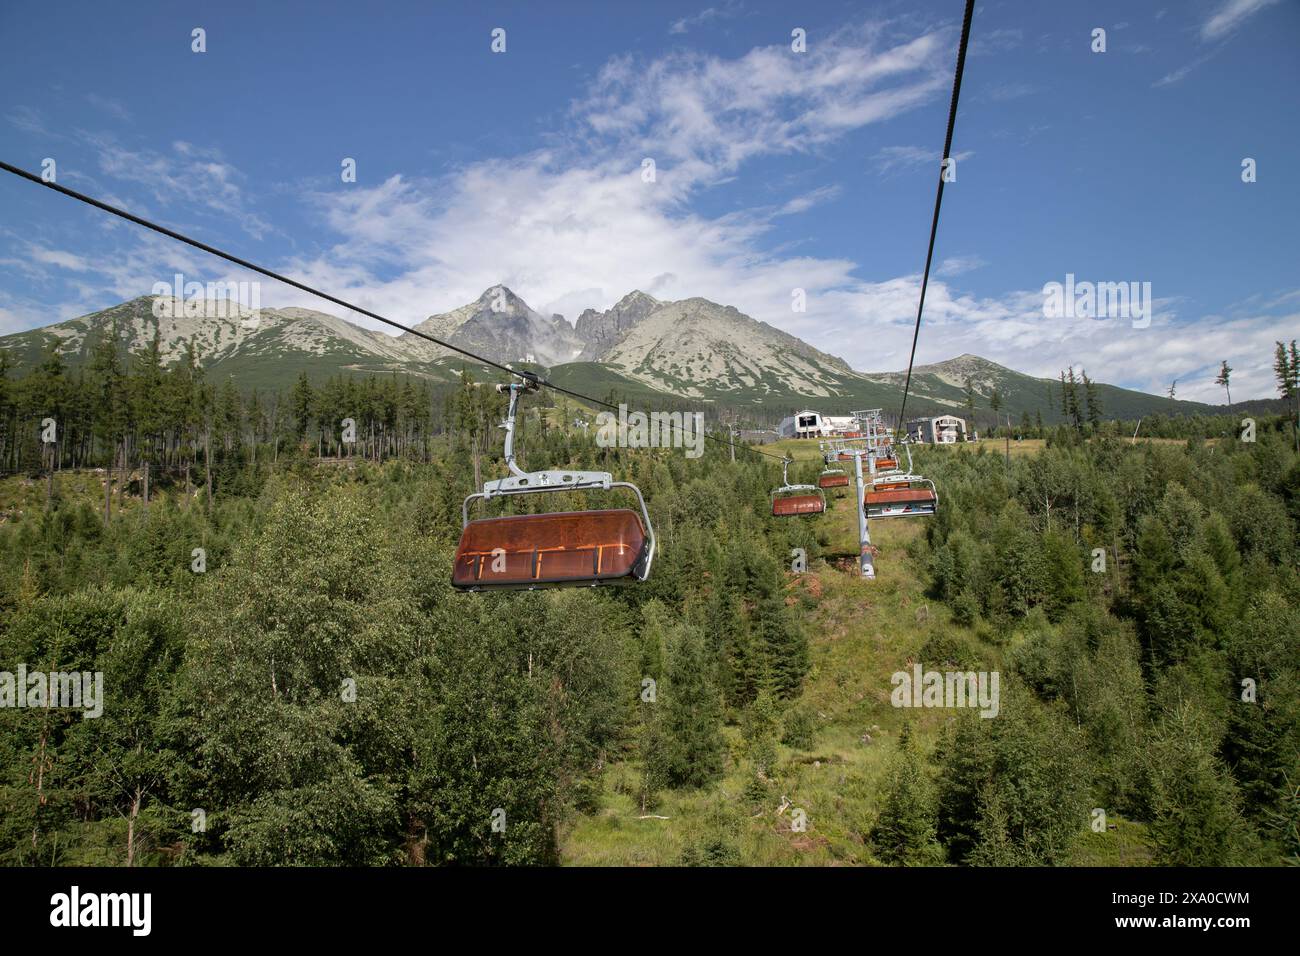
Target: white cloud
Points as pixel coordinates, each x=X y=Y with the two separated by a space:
x=198 y=175
x=891 y=159
x=1223 y=22
x=956 y=265
x=988 y=43
x=1002 y=92
x=1180 y=74
x=28 y=120
x=808 y=200
x=722 y=12
x=577 y=225
x=112 y=107
x=712 y=114
x=874 y=321
x=1231 y=15
x=58 y=257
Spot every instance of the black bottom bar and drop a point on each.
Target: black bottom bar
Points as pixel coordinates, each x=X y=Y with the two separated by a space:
x=938 y=907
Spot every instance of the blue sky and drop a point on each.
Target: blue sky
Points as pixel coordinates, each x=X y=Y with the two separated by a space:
x=775 y=170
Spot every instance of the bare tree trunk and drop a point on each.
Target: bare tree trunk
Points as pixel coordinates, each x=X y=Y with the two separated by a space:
x=108 y=490
x=130 y=829
x=39 y=772
x=125 y=469
x=207 y=466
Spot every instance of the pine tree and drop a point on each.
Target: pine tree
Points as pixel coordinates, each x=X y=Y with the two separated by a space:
x=146 y=390
x=49 y=394
x=302 y=399
x=1072 y=407
x=1286 y=367
x=1093 y=398
x=111 y=415
x=687 y=748
x=906 y=832
x=1197 y=808
x=1283 y=372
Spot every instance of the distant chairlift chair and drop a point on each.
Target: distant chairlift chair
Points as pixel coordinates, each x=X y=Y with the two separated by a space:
x=796 y=501
x=833 y=478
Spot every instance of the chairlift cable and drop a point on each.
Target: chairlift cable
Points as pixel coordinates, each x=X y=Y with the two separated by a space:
x=938 y=198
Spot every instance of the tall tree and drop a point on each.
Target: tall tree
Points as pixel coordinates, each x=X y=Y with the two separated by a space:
x=1093 y=398
x=1225 y=374
x=906 y=832
x=1072 y=406
x=111 y=418
x=1286 y=367
x=149 y=409
x=1196 y=804
x=301 y=400
x=687 y=747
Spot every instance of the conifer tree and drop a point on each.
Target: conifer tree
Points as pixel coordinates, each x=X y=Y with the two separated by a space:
x=687 y=749
x=906 y=832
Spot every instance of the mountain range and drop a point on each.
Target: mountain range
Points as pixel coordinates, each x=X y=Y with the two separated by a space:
x=641 y=347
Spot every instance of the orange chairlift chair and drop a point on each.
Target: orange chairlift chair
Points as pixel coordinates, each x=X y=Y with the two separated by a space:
x=791 y=501
x=556 y=549
x=895 y=493
x=833 y=478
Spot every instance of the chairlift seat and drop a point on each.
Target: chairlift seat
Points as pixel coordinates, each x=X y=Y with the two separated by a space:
x=901 y=502
x=900 y=494
x=798 y=505
x=833 y=480
x=574 y=548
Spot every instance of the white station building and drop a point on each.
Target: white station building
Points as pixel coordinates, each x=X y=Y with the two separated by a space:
x=810 y=424
x=940 y=430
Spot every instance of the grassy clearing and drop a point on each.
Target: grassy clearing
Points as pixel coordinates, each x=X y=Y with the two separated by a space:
x=861 y=632
x=21 y=494
x=1124 y=845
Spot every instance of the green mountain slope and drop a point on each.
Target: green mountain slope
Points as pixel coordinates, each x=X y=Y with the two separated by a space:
x=692 y=353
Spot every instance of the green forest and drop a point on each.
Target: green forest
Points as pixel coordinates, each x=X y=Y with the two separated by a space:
x=289 y=678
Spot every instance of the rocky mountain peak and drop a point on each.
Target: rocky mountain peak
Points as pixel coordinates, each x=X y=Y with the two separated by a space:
x=602 y=331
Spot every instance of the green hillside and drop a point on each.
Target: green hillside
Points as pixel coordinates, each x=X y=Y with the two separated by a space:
x=272 y=357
